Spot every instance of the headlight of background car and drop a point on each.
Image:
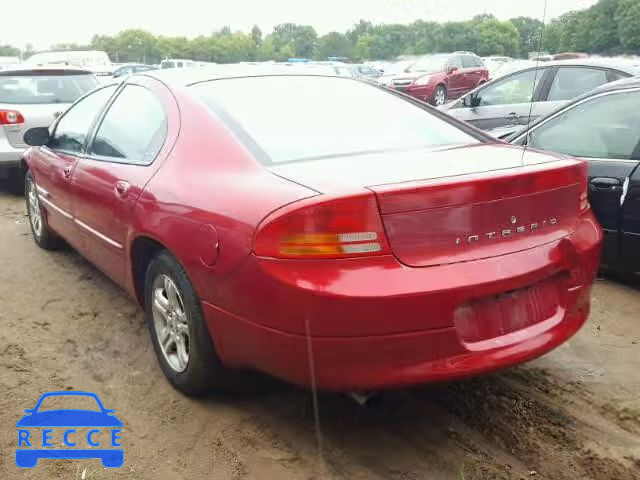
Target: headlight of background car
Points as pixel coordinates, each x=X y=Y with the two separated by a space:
x=421 y=81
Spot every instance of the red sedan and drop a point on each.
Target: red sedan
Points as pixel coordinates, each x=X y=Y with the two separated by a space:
x=324 y=230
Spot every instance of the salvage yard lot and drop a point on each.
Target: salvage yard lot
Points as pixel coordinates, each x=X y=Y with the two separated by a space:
x=573 y=414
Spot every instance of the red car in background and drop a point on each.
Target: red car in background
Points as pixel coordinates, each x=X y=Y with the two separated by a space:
x=270 y=221
x=437 y=78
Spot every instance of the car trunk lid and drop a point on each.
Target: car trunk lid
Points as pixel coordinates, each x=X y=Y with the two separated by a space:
x=459 y=204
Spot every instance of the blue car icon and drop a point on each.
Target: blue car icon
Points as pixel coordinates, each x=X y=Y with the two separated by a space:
x=27 y=457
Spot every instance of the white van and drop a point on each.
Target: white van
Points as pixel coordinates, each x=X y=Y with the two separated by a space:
x=94 y=60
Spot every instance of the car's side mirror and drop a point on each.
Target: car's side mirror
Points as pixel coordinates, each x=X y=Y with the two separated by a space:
x=37 y=136
x=467 y=101
x=452 y=69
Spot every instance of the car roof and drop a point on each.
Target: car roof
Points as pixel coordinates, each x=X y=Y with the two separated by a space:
x=52 y=69
x=182 y=77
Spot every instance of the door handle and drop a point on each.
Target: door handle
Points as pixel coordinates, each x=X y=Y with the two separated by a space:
x=66 y=171
x=605 y=183
x=513 y=116
x=122 y=188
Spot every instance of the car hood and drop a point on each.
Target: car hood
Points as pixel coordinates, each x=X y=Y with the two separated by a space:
x=351 y=173
x=69 y=418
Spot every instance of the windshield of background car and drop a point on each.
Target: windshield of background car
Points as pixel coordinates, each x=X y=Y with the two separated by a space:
x=429 y=65
x=43 y=88
x=301 y=118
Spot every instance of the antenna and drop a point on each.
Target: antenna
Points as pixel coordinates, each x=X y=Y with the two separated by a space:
x=535 y=79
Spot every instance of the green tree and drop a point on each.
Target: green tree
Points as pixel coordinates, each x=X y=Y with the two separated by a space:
x=296 y=40
x=361 y=29
x=334 y=44
x=628 y=18
x=256 y=35
x=9 y=51
x=529 y=30
x=136 y=45
x=497 y=38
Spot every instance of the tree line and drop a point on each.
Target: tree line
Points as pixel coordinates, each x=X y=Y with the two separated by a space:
x=609 y=27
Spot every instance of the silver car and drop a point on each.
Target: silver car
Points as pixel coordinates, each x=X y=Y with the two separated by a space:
x=34 y=97
x=522 y=96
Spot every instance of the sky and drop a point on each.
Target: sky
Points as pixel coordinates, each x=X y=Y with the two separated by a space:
x=67 y=21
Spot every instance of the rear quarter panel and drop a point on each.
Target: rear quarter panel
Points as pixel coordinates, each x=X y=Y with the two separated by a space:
x=209 y=179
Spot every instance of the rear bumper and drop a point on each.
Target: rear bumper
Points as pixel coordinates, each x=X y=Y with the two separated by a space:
x=390 y=361
x=378 y=324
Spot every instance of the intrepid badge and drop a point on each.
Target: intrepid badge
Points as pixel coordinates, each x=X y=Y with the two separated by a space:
x=507 y=232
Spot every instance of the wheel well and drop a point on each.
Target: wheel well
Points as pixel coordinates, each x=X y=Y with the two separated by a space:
x=23 y=166
x=143 y=250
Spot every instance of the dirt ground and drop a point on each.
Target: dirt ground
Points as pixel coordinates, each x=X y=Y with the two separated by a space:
x=574 y=414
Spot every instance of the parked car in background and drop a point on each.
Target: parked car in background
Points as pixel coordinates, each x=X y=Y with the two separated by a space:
x=402 y=251
x=525 y=95
x=130 y=69
x=34 y=97
x=602 y=127
x=176 y=63
x=95 y=61
x=362 y=72
x=436 y=78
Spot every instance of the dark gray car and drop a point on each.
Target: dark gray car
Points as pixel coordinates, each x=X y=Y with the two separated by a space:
x=601 y=127
x=521 y=97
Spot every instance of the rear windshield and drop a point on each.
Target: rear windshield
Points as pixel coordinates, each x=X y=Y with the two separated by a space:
x=294 y=118
x=42 y=89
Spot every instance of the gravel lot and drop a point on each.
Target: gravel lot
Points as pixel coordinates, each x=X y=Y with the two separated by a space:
x=574 y=414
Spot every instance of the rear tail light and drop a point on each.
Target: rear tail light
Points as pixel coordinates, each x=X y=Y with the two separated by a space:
x=10 y=117
x=337 y=228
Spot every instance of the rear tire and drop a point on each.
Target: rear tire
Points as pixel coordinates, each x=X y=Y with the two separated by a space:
x=42 y=234
x=178 y=329
x=439 y=96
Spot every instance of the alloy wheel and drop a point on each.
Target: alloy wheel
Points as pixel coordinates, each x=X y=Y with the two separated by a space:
x=440 y=97
x=171 y=322
x=35 y=212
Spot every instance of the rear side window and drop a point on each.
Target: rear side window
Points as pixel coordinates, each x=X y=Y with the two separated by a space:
x=27 y=89
x=72 y=129
x=294 y=118
x=603 y=127
x=469 y=61
x=571 y=82
x=133 y=129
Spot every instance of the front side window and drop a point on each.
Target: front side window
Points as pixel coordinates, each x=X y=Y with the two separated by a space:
x=294 y=118
x=603 y=127
x=134 y=128
x=73 y=128
x=571 y=82
x=518 y=88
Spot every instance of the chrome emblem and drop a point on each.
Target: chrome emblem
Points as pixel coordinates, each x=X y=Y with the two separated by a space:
x=507 y=232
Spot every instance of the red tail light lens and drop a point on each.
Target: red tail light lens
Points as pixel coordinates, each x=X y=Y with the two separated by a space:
x=337 y=228
x=10 y=117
